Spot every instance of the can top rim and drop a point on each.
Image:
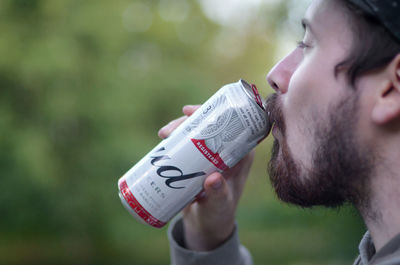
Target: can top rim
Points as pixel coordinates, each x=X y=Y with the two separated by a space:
x=252 y=93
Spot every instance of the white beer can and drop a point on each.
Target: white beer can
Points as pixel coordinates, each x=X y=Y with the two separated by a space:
x=217 y=136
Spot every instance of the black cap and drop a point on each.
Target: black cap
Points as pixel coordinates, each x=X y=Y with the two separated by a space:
x=386 y=11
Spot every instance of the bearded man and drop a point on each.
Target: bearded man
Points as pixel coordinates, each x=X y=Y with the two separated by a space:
x=336 y=114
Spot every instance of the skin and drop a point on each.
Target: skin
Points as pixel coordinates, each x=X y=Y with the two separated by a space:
x=307 y=86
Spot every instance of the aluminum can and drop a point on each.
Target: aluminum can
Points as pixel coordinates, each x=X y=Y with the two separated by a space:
x=214 y=138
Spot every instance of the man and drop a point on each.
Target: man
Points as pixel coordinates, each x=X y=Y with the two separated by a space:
x=336 y=116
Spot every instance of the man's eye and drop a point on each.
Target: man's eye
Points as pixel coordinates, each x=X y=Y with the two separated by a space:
x=302 y=45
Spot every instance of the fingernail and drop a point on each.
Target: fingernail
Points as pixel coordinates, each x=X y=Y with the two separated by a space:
x=217 y=184
x=187 y=107
x=163 y=132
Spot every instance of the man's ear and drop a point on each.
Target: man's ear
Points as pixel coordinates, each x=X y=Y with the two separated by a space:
x=387 y=106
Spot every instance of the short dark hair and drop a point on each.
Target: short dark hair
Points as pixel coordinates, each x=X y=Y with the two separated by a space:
x=373 y=46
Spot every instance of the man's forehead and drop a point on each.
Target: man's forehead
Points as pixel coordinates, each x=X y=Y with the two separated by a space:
x=325 y=14
x=329 y=27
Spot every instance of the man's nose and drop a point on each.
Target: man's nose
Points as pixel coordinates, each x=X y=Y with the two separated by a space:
x=280 y=75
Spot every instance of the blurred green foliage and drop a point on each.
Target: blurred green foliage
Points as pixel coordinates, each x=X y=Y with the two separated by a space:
x=84 y=87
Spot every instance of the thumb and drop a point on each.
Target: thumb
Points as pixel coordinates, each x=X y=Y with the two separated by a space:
x=211 y=220
x=217 y=191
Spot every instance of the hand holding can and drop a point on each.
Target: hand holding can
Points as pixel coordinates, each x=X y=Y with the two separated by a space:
x=210 y=219
x=214 y=138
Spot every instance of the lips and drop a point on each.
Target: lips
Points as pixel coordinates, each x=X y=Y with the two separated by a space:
x=275 y=115
x=271 y=107
x=275 y=131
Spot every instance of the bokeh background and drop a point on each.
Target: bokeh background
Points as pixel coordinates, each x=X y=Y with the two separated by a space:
x=84 y=88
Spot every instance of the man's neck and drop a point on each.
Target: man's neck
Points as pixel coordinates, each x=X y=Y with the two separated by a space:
x=382 y=215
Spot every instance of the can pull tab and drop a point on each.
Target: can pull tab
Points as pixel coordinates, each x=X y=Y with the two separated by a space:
x=257 y=96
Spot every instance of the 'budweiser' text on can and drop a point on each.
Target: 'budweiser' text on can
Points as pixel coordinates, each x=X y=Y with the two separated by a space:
x=217 y=136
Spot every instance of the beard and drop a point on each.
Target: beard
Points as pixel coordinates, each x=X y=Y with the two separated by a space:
x=340 y=166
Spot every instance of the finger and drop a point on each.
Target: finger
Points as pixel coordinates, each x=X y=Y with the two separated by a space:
x=190 y=109
x=165 y=131
x=217 y=191
x=236 y=177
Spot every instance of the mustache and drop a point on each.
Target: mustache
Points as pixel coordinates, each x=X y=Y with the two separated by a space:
x=273 y=107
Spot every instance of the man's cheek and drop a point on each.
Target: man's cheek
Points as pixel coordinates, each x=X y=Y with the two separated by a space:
x=295 y=103
x=299 y=92
x=298 y=135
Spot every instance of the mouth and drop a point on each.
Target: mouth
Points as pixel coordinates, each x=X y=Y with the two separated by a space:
x=270 y=108
x=274 y=113
x=270 y=122
x=276 y=133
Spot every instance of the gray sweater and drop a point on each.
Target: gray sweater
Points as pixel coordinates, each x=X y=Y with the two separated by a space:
x=233 y=253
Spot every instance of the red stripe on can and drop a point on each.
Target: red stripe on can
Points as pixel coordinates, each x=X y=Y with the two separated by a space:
x=257 y=95
x=207 y=153
x=135 y=205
